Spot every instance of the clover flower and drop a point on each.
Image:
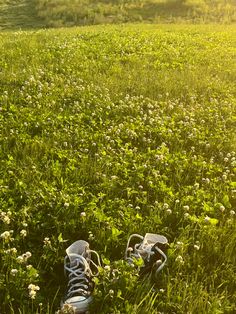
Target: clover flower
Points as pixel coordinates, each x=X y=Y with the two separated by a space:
x=179 y=259
x=14 y=271
x=11 y=251
x=207 y=219
x=6 y=235
x=5 y=217
x=66 y=309
x=165 y=206
x=20 y=259
x=222 y=208
x=23 y=233
x=107 y=268
x=46 y=241
x=179 y=245
x=23 y=258
x=33 y=290
x=91 y=236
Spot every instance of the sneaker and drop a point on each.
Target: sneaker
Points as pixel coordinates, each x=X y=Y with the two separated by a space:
x=150 y=249
x=77 y=267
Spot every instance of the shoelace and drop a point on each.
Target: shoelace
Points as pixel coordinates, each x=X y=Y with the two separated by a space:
x=80 y=273
x=143 y=251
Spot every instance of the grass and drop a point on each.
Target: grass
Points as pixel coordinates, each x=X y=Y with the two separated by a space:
x=112 y=130
x=19 y=14
x=35 y=14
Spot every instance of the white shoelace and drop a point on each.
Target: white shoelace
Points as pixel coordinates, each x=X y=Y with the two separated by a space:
x=143 y=251
x=80 y=274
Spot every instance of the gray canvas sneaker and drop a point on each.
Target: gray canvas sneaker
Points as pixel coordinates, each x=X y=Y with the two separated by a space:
x=77 y=267
x=150 y=249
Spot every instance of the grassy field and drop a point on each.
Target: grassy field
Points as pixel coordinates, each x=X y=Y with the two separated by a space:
x=111 y=130
x=25 y=14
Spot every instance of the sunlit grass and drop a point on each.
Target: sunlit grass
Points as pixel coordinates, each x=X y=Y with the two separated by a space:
x=134 y=127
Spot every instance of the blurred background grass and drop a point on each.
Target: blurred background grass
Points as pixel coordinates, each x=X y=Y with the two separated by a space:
x=24 y=14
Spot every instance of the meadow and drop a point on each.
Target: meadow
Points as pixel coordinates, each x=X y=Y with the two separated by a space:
x=36 y=14
x=111 y=130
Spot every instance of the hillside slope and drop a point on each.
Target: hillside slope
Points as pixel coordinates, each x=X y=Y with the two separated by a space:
x=53 y=13
x=19 y=14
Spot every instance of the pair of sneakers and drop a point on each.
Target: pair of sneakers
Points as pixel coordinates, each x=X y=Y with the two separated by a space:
x=81 y=265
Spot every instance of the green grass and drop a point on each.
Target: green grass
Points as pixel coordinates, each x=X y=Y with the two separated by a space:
x=28 y=14
x=19 y=14
x=135 y=126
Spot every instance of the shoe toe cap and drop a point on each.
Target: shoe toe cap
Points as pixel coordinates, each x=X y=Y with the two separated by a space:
x=79 y=303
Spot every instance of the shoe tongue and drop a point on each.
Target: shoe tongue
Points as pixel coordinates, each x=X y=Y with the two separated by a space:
x=77 y=248
x=151 y=238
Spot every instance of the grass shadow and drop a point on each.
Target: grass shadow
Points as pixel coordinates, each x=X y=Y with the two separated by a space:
x=166 y=10
x=21 y=14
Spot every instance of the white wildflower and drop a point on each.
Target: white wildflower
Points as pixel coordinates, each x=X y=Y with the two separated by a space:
x=5 y=217
x=6 y=235
x=222 y=208
x=29 y=267
x=28 y=254
x=179 y=245
x=11 y=251
x=23 y=233
x=165 y=206
x=46 y=241
x=107 y=268
x=179 y=259
x=23 y=258
x=207 y=219
x=20 y=259
x=33 y=290
x=14 y=272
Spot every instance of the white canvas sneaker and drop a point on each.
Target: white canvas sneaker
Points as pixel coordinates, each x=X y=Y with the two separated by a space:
x=77 y=267
x=149 y=249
